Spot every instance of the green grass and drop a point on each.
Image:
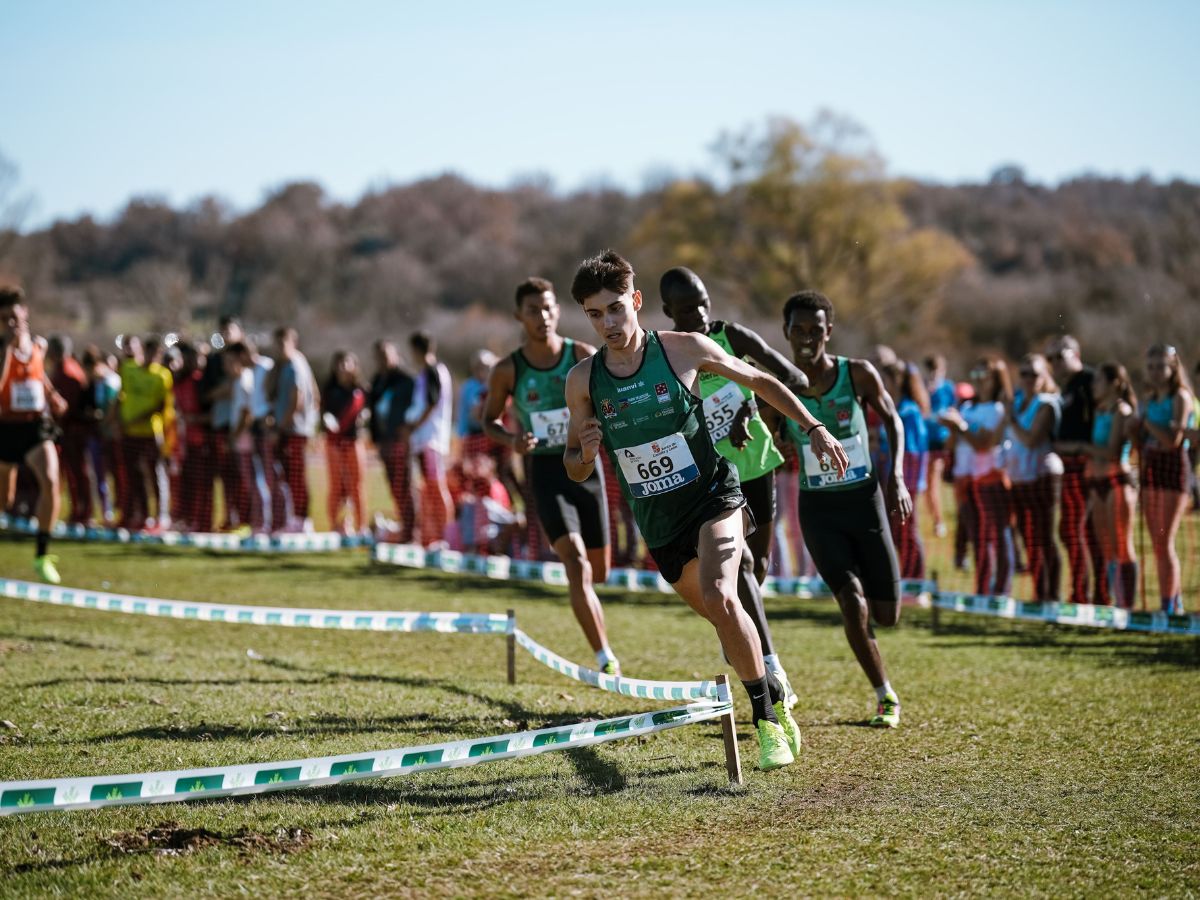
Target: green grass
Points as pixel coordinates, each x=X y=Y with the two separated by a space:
x=1033 y=760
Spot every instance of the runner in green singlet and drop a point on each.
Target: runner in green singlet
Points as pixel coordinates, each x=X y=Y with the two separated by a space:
x=637 y=398
x=573 y=516
x=741 y=435
x=842 y=514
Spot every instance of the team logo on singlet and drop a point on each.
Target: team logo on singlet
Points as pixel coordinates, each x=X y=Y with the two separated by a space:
x=607 y=408
x=532 y=396
x=843 y=416
x=664 y=393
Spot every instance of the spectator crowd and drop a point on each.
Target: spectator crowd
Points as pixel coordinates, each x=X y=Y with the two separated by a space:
x=1048 y=468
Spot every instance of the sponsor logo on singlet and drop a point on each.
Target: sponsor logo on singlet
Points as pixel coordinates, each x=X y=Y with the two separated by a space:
x=663 y=392
x=607 y=409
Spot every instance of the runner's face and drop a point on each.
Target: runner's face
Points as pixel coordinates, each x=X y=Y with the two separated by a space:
x=691 y=314
x=614 y=316
x=807 y=331
x=13 y=319
x=539 y=315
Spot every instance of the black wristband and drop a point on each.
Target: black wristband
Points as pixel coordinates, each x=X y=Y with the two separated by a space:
x=814 y=428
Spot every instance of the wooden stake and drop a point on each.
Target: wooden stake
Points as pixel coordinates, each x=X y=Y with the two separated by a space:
x=733 y=760
x=512 y=647
x=935 y=618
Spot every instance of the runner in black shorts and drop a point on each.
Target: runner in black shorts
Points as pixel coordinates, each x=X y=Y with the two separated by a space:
x=27 y=433
x=568 y=507
x=573 y=515
x=638 y=398
x=845 y=519
x=740 y=434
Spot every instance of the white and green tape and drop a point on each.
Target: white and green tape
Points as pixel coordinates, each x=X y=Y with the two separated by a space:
x=414 y=556
x=320 y=542
x=293 y=617
x=40 y=795
x=1068 y=613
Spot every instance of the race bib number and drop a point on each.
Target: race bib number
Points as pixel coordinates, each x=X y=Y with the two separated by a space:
x=820 y=473
x=658 y=467
x=720 y=409
x=28 y=396
x=550 y=426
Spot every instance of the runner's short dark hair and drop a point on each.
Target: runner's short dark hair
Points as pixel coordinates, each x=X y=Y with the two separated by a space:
x=11 y=295
x=608 y=271
x=679 y=283
x=421 y=341
x=811 y=300
x=533 y=286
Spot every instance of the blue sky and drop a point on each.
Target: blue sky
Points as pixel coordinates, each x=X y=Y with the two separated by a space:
x=103 y=101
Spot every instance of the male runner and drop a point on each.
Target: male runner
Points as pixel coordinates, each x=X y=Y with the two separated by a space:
x=573 y=516
x=637 y=397
x=740 y=434
x=27 y=399
x=843 y=515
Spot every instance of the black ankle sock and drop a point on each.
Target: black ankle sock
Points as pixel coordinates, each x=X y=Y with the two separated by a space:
x=760 y=701
x=774 y=687
x=43 y=542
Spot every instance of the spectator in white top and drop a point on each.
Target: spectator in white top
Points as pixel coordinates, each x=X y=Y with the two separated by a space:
x=431 y=419
x=1036 y=471
x=981 y=425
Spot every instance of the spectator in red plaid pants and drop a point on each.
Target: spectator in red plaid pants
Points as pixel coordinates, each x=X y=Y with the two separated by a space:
x=389 y=398
x=296 y=403
x=1076 y=529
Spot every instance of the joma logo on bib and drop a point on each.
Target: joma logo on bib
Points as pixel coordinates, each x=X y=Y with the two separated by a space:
x=668 y=483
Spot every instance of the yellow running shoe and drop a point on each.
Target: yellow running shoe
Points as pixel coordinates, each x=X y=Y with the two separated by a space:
x=612 y=667
x=773 y=749
x=46 y=569
x=789 y=726
x=887 y=714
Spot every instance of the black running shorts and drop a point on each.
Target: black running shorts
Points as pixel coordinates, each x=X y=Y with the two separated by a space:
x=565 y=506
x=760 y=497
x=847 y=534
x=672 y=557
x=18 y=438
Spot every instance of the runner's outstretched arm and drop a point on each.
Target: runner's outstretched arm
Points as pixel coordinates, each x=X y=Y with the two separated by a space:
x=870 y=386
x=583 y=429
x=702 y=354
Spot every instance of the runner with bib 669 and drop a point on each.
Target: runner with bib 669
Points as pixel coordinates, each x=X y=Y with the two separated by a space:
x=639 y=397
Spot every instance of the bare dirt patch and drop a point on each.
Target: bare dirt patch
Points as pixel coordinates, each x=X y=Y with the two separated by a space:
x=169 y=839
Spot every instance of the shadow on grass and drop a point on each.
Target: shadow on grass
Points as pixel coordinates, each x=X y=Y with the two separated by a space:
x=1104 y=648
x=73 y=643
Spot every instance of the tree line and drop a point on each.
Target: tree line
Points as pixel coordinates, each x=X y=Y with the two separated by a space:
x=787 y=205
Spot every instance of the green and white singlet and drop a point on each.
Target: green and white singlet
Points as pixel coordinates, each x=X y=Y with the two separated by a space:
x=655 y=433
x=840 y=412
x=722 y=400
x=540 y=399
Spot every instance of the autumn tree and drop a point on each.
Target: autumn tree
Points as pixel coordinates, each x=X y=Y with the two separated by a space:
x=806 y=207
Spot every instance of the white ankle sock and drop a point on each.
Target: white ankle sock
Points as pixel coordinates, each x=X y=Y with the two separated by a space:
x=772 y=662
x=604 y=656
x=883 y=690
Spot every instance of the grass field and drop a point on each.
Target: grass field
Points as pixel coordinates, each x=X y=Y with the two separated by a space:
x=1032 y=760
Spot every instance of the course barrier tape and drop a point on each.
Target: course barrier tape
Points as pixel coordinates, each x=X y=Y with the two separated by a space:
x=294 y=617
x=283 y=542
x=619 y=684
x=1068 y=613
x=413 y=556
x=225 y=781
x=357 y=620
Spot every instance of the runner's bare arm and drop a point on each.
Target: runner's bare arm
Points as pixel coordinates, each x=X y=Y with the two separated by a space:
x=750 y=343
x=499 y=389
x=583 y=430
x=693 y=353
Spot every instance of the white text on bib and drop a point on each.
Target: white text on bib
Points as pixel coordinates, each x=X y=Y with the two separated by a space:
x=820 y=473
x=658 y=467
